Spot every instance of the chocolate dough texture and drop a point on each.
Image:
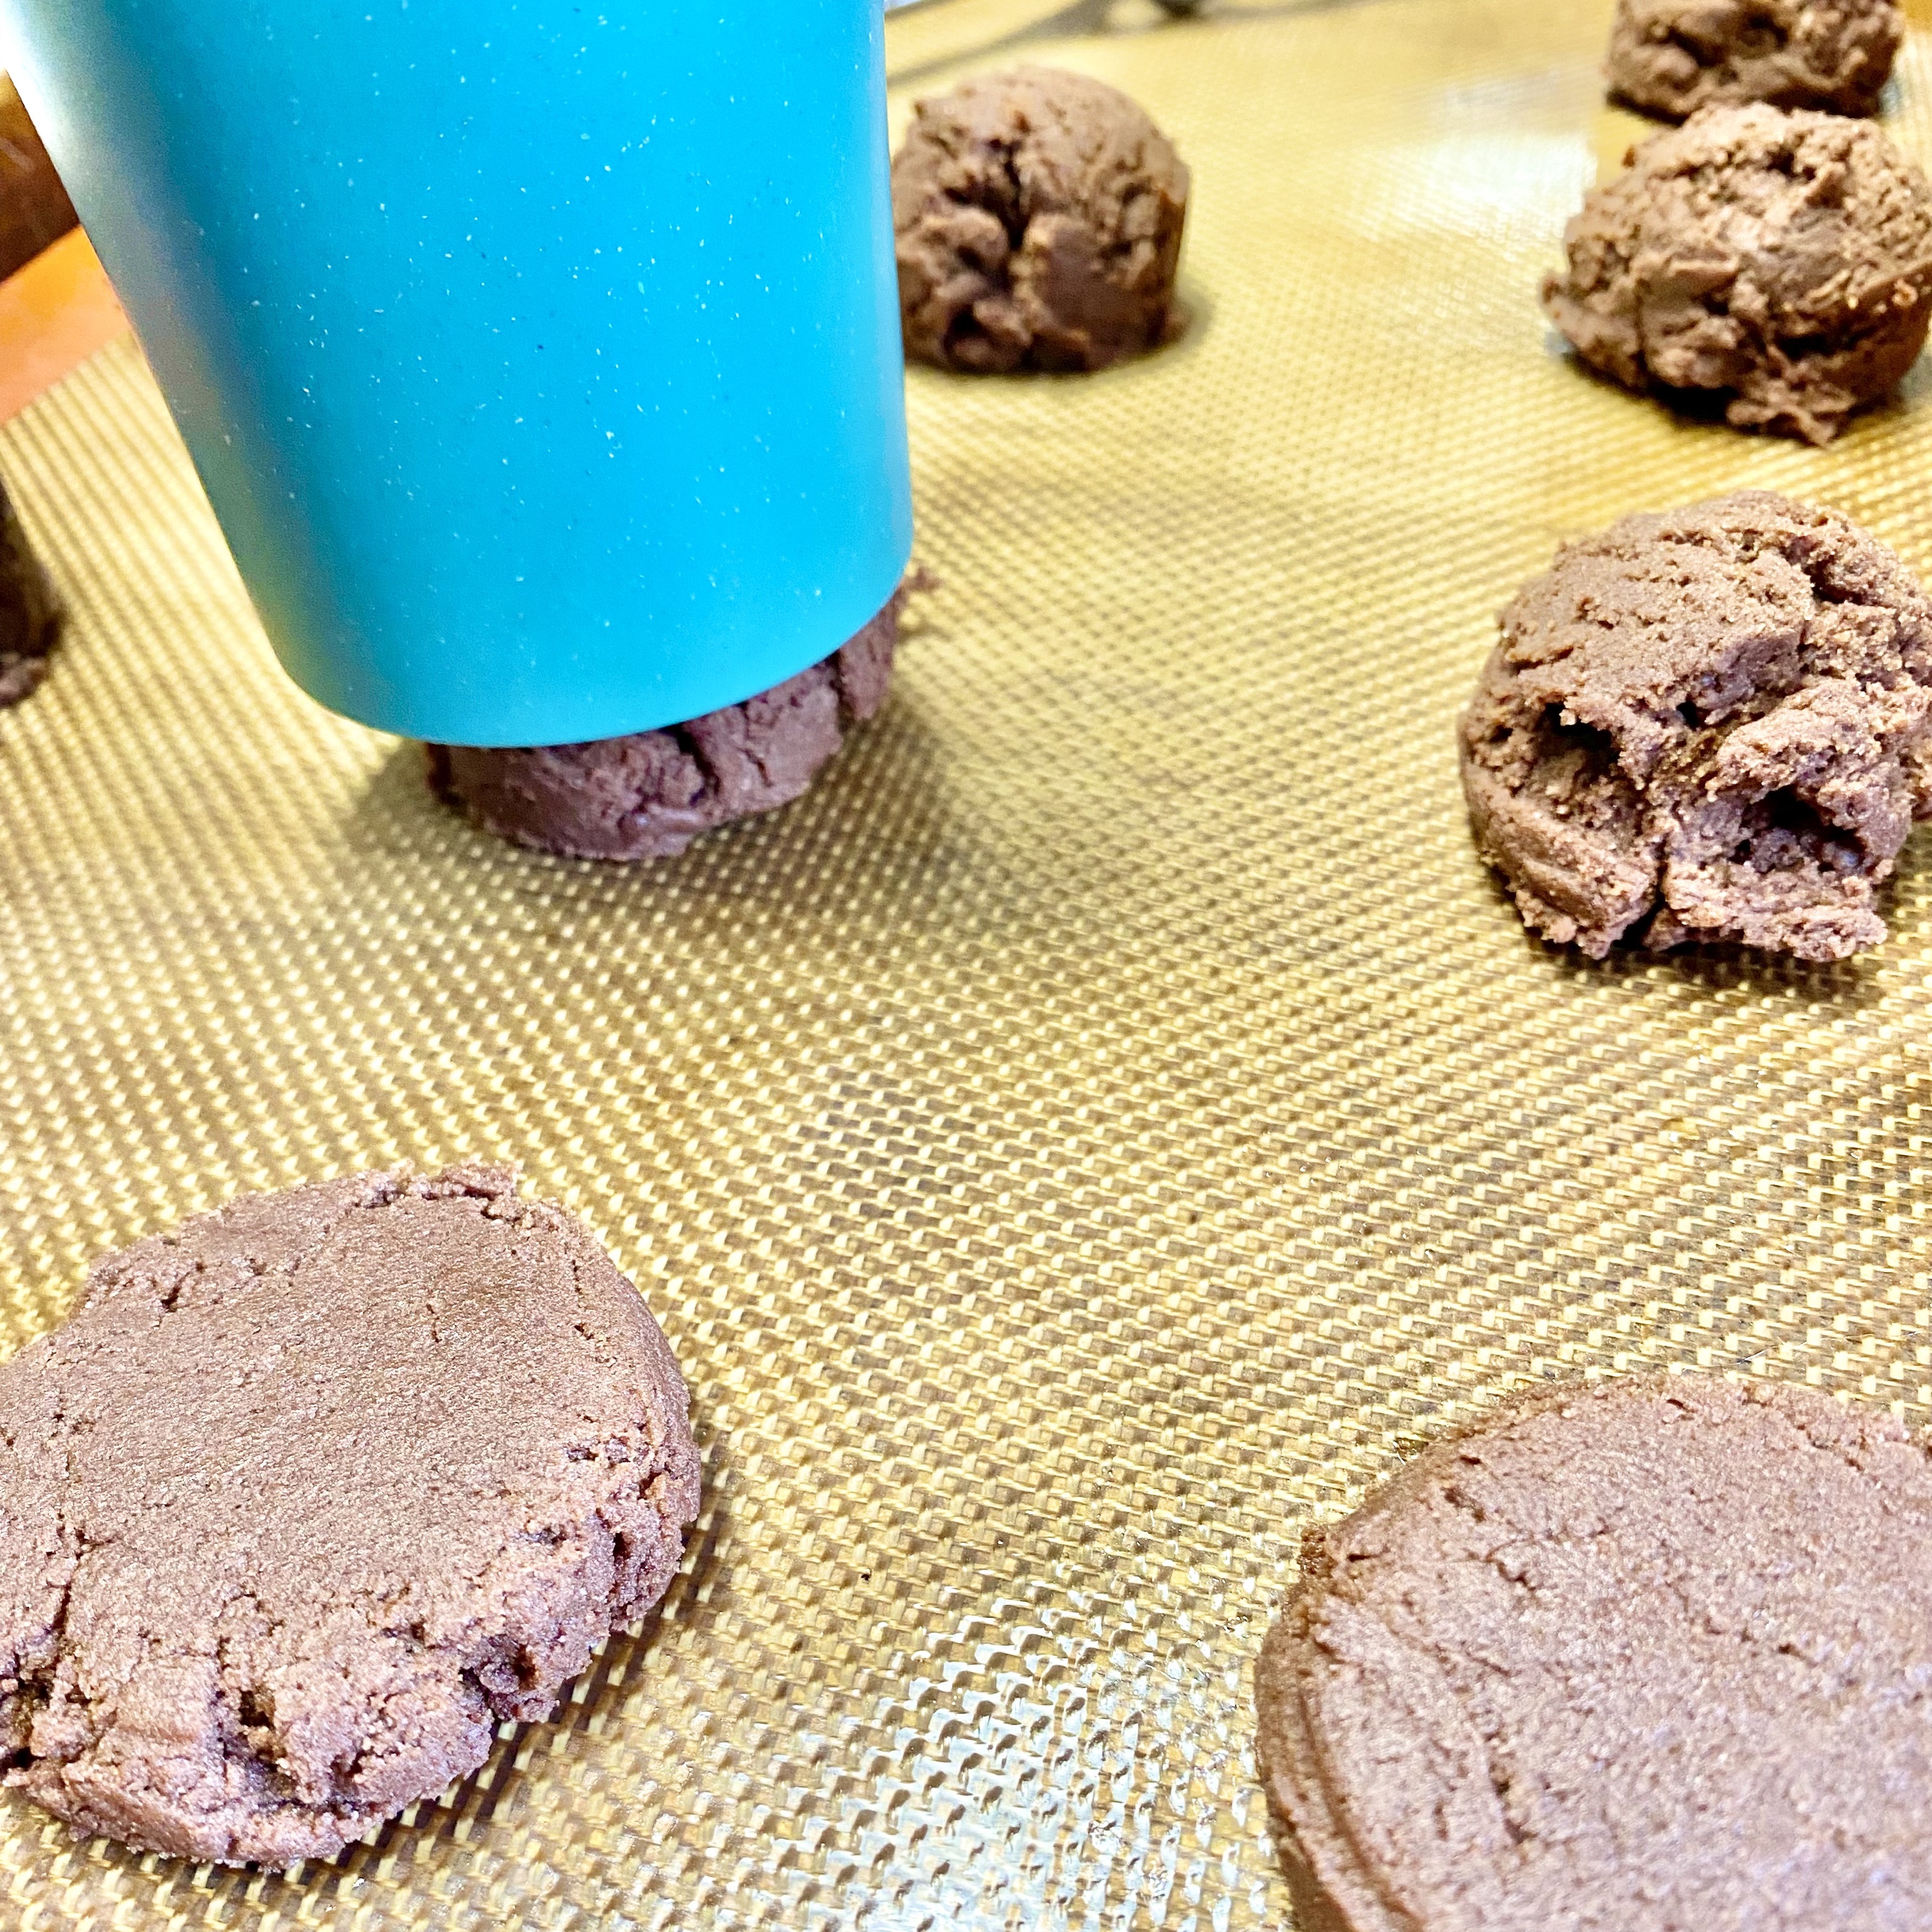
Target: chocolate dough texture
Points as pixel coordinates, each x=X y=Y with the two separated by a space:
x=1672 y=57
x=1646 y=1656
x=309 y=1494
x=1711 y=723
x=1038 y=217
x=29 y=615
x=648 y=795
x=1777 y=264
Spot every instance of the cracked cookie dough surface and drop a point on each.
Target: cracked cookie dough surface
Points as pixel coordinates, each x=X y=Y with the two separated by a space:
x=313 y=1492
x=1039 y=217
x=648 y=795
x=1710 y=723
x=1672 y=57
x=29 y=614
x=1644 y=1654
x=1778 y=266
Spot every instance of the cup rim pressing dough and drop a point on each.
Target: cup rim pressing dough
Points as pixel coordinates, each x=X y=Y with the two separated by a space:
x=648 y=794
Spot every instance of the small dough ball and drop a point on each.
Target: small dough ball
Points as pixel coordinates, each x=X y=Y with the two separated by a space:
x=1711 y=723
x=29 y=615
x=648 y=794
x=1675 y=56
x=1039 y=216
x=1780 y=263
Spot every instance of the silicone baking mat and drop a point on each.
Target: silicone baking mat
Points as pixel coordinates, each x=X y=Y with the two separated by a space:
x=1098 y=1131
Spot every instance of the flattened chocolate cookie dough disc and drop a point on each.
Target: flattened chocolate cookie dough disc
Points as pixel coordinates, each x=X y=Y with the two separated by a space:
x=1711 y=723
x=1778 y=266
x=29 y=615
x=1672 y=57
x=313 y=1492
x=1646 y=1656
x=648 y=795
x=1039 y=216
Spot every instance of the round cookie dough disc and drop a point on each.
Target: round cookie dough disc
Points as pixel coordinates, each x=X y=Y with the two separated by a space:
x=1039 y=216
x=312 y=1493
x=1711 y=723
x=1649 y=1655
x=1778 y=265
x=648 y=795
x=1672 y=57
x=29 y=616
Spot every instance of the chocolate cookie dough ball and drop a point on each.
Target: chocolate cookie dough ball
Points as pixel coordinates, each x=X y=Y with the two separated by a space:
x=29 y=616
x=1039 y=217
x=1646 y=1657
x=648 y=795
x=1779 y=264
x=1712 y=723
x=1675 y=56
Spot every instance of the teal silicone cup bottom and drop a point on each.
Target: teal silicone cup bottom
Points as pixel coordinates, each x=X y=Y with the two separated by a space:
x=542 y=361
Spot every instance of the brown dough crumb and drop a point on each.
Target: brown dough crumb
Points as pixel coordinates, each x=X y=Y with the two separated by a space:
x=1672 y=57
x=29 y=614
x=1650 y=1655
x=1780 y=264
x=1039 y=217
x=1714 y=721
x=648 y=795
x=313 y=1492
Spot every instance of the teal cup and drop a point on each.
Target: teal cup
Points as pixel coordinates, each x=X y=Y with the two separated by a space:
x=541 y=358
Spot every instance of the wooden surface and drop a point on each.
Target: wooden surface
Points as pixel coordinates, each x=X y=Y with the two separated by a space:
x=54 y=313
x=56 y=307
x=35 y=210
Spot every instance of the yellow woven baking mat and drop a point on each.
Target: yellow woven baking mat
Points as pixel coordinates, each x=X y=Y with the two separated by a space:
x=1099 y=1131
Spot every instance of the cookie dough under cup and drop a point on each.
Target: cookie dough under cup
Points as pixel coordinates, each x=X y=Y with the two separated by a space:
x=542 y=367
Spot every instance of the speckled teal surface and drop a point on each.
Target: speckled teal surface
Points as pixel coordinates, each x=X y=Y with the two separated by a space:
x=541 y=361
